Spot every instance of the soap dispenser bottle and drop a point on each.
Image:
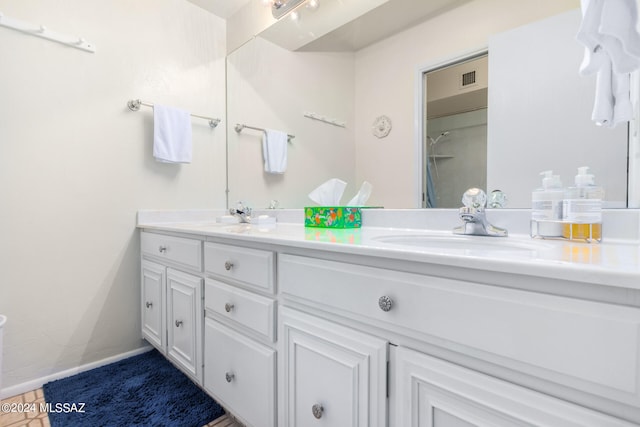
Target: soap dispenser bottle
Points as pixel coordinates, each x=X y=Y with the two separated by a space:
x=546 y=207
x=582 y=209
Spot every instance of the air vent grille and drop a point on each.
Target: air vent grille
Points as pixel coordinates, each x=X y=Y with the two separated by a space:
x=468 y=78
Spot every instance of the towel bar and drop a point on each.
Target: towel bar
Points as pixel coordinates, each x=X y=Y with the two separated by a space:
x=134 y=105
x=239 y=127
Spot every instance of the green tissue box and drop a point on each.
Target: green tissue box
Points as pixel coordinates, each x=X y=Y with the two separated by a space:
x=333 y=217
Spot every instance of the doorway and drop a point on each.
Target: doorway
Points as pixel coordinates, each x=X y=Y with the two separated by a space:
x=454 y=142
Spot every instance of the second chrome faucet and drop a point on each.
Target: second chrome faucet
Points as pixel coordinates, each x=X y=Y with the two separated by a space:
x=473 y=216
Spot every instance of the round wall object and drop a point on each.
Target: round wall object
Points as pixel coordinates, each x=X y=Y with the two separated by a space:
x=381 y=126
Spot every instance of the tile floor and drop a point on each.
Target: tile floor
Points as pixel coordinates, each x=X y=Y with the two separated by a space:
x=27 y=407
x=30 y=415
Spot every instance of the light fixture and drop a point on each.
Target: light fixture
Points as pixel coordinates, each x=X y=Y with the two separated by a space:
x=280 y=8
x=313 y=4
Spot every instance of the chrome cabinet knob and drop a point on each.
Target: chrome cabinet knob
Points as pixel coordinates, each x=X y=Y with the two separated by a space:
x=228 y=307
x=229 y=376
x=162 y=249
x=317 y=410
x=149 y=304
x=385 y=303
x=178 y=323
x=228 y=265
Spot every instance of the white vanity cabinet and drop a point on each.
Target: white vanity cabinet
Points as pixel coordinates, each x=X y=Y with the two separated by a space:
x=239 y=331
x=285 y=332
x=579 y=350
x=171 y=296
x=435 y=393
x=330 y=375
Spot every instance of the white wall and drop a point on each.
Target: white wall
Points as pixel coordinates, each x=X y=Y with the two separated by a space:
x=249 y=20
x=76 y=165
x=385 y=84
x=270 y=87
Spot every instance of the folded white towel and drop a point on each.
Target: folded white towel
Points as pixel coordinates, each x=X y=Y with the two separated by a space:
x=171 y=135
x=612 y=104
x=620 y=35
x=612 y=50
x=609 y=29
x=274 y=151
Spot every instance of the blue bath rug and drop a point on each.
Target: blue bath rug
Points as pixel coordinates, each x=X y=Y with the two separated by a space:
x=143 y=390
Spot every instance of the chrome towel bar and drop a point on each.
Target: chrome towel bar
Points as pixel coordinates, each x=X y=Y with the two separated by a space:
x=239 y=127
x=134 y=105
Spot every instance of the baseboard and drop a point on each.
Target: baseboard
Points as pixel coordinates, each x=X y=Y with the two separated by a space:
x=39 y=382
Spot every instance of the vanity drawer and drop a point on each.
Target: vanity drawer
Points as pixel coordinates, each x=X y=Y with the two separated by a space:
x=240 y=374
x=186 y=252
x=563 y=340
x=241 y=307
x=247 y=266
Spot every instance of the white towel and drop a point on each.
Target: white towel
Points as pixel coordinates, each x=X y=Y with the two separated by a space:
x=171 y=135
x=612 y=105
x=274 y=151
x=612 y=50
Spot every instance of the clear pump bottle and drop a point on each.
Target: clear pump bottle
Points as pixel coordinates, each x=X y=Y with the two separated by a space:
x=582 y=209
x=546 y=207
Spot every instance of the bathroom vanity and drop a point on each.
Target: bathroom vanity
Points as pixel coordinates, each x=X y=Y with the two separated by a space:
x=292 y=326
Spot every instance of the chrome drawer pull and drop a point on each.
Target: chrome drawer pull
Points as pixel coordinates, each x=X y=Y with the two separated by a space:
x=178 y=323
x=229 y=377
x=162 y=249
x=149 y=304
x=228 y=265
x=317 y=410
x=228 y=307
x=385 y=303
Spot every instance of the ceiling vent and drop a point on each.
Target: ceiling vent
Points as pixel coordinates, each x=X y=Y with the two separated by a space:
x=468 y=79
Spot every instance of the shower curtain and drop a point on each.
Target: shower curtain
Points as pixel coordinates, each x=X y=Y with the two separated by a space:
x=431 y=189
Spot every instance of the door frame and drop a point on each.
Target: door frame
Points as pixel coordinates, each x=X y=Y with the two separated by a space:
x=419 y=122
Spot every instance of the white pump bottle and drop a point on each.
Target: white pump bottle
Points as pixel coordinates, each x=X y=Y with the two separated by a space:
x=546 y=206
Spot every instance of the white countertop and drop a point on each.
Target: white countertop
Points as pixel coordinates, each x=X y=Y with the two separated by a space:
x=611 y=263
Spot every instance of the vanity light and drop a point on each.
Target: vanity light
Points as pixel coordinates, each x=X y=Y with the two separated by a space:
x=313 y=4
x=280 y=8
x=295 y=16
x=274 y=4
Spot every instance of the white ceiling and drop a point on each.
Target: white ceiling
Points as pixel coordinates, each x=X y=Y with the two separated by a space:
x=390 y=18
x=383 y=21
x=222 y=8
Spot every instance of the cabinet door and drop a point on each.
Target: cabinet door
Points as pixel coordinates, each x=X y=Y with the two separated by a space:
x=330 y=375
x=431 y=392
x=153 y=304
x=184 y=309
x=240 y=374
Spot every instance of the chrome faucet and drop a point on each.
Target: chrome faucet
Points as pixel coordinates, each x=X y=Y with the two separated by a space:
x=242 y=212
x=473 y=216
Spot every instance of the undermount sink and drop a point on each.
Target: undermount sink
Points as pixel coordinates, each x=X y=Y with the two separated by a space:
x=477 y=243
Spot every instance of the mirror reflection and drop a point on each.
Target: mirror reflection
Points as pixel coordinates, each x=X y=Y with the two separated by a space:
x=455 y=141
x=275 y=88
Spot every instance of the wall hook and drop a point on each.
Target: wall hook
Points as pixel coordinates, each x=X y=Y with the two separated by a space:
x=45 y=33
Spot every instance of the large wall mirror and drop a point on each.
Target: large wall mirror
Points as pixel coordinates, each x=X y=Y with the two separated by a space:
x=330 y=93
